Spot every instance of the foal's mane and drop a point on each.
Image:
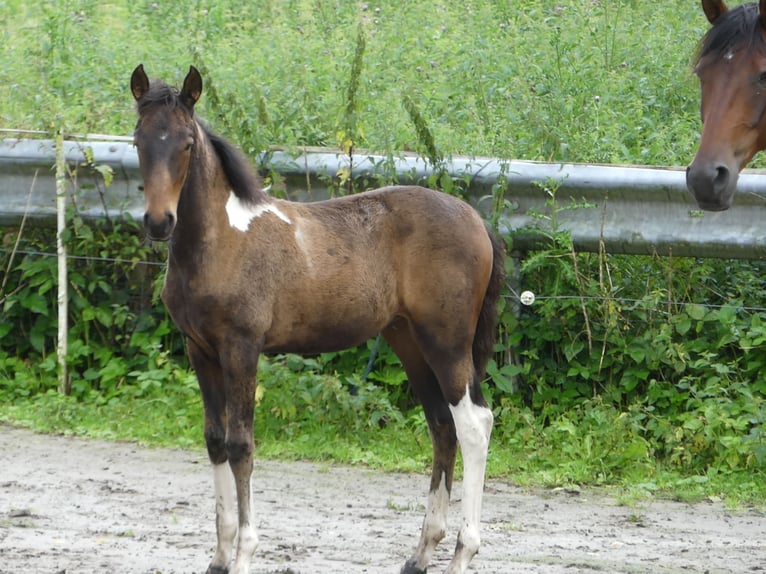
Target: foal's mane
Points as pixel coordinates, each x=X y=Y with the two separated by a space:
x=244 y=181
x=738 y=27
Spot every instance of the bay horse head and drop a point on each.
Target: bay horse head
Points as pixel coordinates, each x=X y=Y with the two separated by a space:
x=731 y=67
x=164 y=139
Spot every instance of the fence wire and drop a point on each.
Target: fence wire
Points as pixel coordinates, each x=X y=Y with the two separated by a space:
x=513 y=293
x=85 y=257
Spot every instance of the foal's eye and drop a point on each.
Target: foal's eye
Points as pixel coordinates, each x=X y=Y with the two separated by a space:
x=762 y=79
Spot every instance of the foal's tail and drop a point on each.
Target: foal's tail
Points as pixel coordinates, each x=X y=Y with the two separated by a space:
x=484 y=338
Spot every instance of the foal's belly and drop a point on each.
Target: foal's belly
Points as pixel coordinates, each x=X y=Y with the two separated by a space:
x=329 y=317
x=310 y=340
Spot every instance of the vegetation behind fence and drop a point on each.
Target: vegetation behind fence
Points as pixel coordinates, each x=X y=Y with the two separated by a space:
x=639 y=370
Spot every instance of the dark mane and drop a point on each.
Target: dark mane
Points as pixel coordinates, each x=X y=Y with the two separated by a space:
x=738 y=27
x=244 y=181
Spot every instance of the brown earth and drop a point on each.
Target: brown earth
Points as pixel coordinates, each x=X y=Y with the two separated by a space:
x=70 y=505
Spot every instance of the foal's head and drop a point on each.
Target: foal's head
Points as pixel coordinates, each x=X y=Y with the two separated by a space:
x=164 y=138
x=732 y=70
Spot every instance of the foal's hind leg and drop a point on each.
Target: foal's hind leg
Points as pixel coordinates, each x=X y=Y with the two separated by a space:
x=473 y=423
x=210 y=379
x=444 y=441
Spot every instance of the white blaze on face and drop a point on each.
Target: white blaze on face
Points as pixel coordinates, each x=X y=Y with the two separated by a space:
x=241 y=215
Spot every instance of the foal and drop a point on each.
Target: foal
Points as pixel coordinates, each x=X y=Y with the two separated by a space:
x=249 y=274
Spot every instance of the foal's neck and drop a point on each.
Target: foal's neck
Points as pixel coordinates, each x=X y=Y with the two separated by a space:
x=216 y=170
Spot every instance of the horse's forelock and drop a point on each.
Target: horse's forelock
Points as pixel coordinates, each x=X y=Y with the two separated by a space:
x=737 y=28
x=162 y=94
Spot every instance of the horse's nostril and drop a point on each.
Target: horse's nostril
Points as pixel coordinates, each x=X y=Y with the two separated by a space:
x=721 y=176
x=170 y=220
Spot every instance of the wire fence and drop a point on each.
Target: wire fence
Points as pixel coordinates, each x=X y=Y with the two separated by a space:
x=513 y=293
x=86 y=257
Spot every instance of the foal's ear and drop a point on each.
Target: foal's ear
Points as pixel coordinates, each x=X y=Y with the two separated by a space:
x=714 y=9
x=139 y=83
x=192 y=88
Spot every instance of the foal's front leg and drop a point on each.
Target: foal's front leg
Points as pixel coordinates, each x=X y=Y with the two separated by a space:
x=228 y=395
x=240 y=366
x=210 y=379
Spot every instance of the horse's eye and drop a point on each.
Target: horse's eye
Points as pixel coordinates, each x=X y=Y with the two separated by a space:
x=189 y=145
x=762 y=79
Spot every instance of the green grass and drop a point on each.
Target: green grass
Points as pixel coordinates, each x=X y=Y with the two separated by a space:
x=302 y=415
x=606 y=81
x=563 y=81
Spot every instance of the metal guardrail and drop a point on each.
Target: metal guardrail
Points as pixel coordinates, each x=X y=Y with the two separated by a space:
x=631 y=210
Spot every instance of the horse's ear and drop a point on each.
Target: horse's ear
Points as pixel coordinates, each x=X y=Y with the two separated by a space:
x=192 y=88
x=714 y=9
x=139 y=83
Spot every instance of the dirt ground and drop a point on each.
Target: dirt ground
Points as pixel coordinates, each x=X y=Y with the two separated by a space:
x=70 y=505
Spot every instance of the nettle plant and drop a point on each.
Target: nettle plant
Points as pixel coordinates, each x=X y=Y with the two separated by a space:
x=673 y=344
x=118 y=333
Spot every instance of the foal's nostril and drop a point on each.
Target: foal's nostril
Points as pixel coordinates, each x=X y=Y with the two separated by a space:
x=160 y=229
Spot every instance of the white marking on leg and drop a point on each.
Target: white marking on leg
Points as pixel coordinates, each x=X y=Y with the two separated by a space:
x=248 y=538
x=225 y=514
x=241 y=214
x=434 y=525
x=473 y=425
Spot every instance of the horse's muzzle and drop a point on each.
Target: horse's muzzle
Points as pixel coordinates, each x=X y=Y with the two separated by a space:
x=162 y=229
x=712 y=185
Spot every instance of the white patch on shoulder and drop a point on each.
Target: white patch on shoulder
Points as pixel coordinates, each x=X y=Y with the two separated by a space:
x=241 y=214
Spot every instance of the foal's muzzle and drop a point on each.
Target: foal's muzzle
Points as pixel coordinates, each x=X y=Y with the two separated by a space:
x=160 y=229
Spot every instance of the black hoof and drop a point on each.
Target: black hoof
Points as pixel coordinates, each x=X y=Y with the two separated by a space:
x=217 y=570
x=410 y=568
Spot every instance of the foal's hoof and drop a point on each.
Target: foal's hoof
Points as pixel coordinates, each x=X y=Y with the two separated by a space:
x=410 y=568
x=217 y=570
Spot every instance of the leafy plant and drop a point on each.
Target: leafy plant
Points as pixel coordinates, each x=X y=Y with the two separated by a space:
x=638 y=370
